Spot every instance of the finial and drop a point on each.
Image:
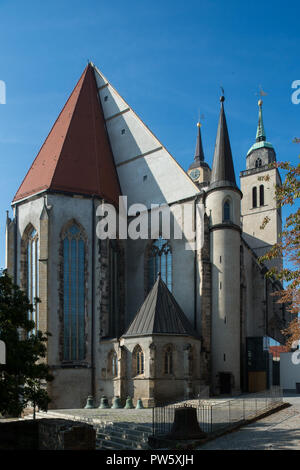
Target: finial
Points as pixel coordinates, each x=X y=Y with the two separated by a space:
x=222 y=97
x=260 y=93
x=200 y=118
x=159 y=274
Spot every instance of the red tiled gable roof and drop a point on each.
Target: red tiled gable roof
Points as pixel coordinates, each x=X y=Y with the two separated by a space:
x=76 y=156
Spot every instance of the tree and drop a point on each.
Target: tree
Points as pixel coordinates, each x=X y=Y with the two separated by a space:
x=23 y=377
x=288 y=247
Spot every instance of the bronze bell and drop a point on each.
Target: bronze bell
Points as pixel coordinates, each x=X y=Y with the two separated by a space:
x=129 y=404
x=104 y=403
x=89 y=403
x=139 y=404
x=185 y=425
x=117 y=403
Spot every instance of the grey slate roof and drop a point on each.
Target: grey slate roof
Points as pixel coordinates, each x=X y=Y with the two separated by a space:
x=222 y=170
x=160 y=314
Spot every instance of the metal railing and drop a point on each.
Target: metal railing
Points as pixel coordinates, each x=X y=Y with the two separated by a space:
x=217 y=416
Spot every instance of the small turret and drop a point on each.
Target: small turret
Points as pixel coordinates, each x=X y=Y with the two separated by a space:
x=223 y=202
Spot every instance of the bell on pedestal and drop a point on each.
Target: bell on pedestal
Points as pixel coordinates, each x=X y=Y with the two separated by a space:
x=89 y=403
x=129 y=404
x=186 y=425
x=104 y=403
x=139 y=404
x=117 y=403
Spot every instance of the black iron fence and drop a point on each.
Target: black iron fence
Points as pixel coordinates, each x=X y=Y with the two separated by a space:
x=214 y=416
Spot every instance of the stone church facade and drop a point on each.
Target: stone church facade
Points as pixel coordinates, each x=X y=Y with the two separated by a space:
x=143 y=317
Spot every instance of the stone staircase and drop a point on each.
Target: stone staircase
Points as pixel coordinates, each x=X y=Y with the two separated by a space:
x=118 y=436
x=110 y=435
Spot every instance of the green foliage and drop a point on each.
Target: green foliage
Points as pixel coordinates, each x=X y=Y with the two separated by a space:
x=288 y=246
x=23 y=377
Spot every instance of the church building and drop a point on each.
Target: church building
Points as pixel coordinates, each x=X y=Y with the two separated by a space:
x=145 y=316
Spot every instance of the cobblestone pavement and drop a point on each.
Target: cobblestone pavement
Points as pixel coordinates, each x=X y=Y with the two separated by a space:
x=279 y=431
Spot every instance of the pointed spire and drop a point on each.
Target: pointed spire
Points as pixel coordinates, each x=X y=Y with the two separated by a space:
x=199 y=154
x=260 y=133
x=223 y=170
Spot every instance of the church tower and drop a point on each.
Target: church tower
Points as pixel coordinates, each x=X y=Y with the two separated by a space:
x=199 y=170
x=258 y=184
x=223 y=201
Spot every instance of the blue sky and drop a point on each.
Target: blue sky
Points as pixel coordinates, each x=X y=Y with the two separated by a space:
x=168 y=59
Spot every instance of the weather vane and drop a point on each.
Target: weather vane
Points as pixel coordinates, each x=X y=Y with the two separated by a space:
x=260 y=93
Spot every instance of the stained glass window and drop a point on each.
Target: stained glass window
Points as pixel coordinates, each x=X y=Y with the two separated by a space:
x=138 y=361
x=33 y=275
x=114 y=326
x=160 y=260
x=74 y=293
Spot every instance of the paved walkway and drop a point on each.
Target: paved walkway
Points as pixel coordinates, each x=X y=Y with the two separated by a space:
x=279 y=431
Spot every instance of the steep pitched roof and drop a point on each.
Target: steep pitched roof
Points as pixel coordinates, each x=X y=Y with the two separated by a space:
x=138 y=153
x=160 y=314
x=76 y=156
x=222 y=170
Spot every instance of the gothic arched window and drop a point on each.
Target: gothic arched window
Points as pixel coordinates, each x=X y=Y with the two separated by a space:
x=74 y=293
x=160 y=260
x=114 y=326
x=138 y=360
x=113 y=364
x=32 y=253
x=261 y=195
x=168 y=360
x=254 y=197
x=258 y=163
x=226 y=211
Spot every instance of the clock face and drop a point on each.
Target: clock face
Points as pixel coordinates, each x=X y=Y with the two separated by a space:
x=194 y=174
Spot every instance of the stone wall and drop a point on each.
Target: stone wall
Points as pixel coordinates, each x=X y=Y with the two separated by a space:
x=47 y=434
